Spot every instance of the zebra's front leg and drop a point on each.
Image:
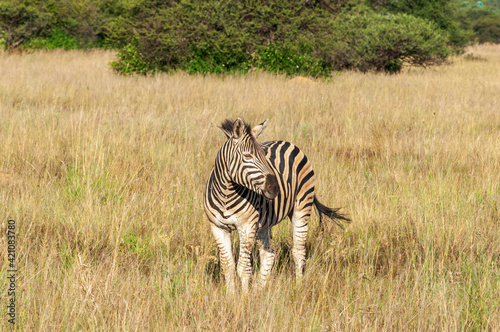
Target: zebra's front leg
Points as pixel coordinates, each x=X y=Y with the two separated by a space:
x=267 y=255
x=223 y=239
x=247 y=240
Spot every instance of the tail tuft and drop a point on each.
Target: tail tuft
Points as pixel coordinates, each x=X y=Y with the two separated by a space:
x=332 y=214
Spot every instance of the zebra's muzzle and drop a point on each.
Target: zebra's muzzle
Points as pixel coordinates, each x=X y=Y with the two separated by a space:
x=271 y=187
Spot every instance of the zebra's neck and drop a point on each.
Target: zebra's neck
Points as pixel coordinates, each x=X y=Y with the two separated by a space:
x=223 y=188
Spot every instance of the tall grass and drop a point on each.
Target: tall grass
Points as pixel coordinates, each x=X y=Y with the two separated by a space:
x=104 y=176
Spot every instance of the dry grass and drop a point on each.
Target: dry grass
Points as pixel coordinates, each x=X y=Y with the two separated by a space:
x=104 y=176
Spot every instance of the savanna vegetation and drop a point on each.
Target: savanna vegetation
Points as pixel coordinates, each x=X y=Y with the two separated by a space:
x=313 y=38
x=104 y=176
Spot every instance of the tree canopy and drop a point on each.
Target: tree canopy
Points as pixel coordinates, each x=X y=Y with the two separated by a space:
x=306 y=37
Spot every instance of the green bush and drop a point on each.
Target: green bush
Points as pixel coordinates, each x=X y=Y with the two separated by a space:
x=443 y=13
x=130 y=61
x=487 y=29
x=482 y=22
x=55 y=38
x=46 y=24
x=223 y=36
x=282 y=60
x=293 y=38
x=21 y=20
x=373 y=41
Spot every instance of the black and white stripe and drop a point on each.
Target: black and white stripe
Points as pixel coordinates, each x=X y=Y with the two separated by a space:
x=253 y=187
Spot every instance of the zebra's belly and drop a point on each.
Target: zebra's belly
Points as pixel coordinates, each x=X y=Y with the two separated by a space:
x=266 y=214
x=272 y=213
x=230 y=222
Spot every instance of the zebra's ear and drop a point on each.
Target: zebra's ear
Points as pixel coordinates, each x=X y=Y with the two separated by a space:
x=259 y=129
x=238 y=128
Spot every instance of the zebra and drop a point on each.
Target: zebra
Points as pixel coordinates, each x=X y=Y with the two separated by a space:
x=253 y=187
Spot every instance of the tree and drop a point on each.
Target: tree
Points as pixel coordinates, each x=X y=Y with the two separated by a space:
x=444 y=13
x=290 y=37
x=21 y=20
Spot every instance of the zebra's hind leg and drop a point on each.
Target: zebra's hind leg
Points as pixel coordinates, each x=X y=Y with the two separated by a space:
x=244 y=268
x=267 y=255
x=223 y=239
x=300 y=220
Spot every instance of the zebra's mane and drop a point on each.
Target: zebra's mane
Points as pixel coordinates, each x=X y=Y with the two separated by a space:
x=228 y=125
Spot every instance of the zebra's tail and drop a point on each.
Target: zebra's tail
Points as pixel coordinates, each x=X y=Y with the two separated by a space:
x=332 y=214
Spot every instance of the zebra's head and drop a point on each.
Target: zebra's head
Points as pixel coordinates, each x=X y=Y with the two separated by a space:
x=245 y=159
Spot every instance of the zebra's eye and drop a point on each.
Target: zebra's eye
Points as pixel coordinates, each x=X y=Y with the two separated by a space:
x=247 y=156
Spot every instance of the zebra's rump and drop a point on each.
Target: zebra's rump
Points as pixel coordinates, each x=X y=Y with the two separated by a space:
x=294 y=174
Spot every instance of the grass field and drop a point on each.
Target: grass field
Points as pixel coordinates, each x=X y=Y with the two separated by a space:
x=104 y=177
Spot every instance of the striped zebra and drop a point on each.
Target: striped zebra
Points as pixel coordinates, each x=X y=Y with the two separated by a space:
x=253 y=187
